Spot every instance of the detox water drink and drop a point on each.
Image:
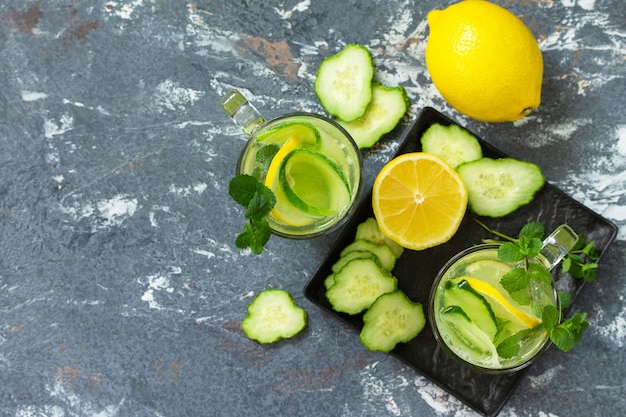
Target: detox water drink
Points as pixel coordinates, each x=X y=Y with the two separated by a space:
x=473 y=313
x=314 y=168
x=315 y=173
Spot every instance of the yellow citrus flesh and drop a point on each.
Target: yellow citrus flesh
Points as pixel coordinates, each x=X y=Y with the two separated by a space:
x=500 y=304
x=484 y=61
x=272 y=172
x=272 y=176
x=419 y=200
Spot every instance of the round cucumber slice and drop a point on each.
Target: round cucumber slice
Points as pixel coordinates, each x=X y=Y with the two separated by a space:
x=453 y=143
x=497 y=187
x=314 y=183
x=305 y=132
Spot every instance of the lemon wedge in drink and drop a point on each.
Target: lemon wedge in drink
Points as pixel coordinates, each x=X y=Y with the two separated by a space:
x=502 y=307
x=272 y=172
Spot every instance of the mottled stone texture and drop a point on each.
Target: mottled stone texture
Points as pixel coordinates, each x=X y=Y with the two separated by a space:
x=121 y=289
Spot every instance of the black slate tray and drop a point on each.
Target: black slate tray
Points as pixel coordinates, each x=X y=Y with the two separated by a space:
x=416 y=271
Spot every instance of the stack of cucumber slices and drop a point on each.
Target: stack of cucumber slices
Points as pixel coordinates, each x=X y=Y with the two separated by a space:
x=346 y=89
x=362 y=282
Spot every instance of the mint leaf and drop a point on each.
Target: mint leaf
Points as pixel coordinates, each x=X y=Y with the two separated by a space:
x=588 y=271
x=509 y=347
x=258 y=200
x=258 y=207
x=562 y=338
x=591 y=251
x=516 y=279
x=510 y=252
x=565 y=299
x=244 y=238
x=532 y=230
x=539 y=274
x=259 y=236
x=263 y=190
x=266 y=154
x=529 y=246
x=569 y=333
x=242 y=188
x=549 y=317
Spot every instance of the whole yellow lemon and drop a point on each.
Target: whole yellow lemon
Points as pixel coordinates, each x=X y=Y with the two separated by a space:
x=484 y=61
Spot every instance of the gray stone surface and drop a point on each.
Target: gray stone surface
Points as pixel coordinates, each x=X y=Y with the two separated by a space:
x=121 y=290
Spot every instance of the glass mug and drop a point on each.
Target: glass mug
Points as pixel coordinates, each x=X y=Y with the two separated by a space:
x=316 y=173
x=471 y=313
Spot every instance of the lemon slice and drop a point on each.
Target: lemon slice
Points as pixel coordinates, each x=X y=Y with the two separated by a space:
x=502 y=307
x=272 y=172
x=285 y=215
x=487 y=270
x=419 y=200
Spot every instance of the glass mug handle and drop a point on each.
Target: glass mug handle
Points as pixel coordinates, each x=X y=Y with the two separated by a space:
x=557 y=245
x=244 y=114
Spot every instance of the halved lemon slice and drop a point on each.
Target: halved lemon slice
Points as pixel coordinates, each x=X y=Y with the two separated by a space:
x=419 y=200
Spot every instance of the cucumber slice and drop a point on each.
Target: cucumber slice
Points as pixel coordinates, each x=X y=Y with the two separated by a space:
x=385 y=255
x=285 y=212
x=273 y=315
x=359 y=283
x=478 y=310
x=357 y=254
x=452 y=143
x=314 y=183
x=344 y=82
x=369 y=230
x=385 y=111
x=305 y=132
x=329 y=281
x=391 y=319
x=497 y=187
x=463 y=332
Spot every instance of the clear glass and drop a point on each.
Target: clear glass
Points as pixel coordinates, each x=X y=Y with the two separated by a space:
x=475 y=266
x=312 y=163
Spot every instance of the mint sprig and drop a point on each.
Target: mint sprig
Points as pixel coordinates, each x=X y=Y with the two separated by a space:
x=579 y=262
x=250 y=192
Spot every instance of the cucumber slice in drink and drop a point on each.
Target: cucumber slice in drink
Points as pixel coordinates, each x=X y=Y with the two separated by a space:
x=466 y=335
x=344 y=82
x=391 y=319
x=286 y=213
x=452 y=143
x=497 y=187
x=305 y=133
x=385 y=111
x=359 y=283
x=459 y=293
x=313 y=183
